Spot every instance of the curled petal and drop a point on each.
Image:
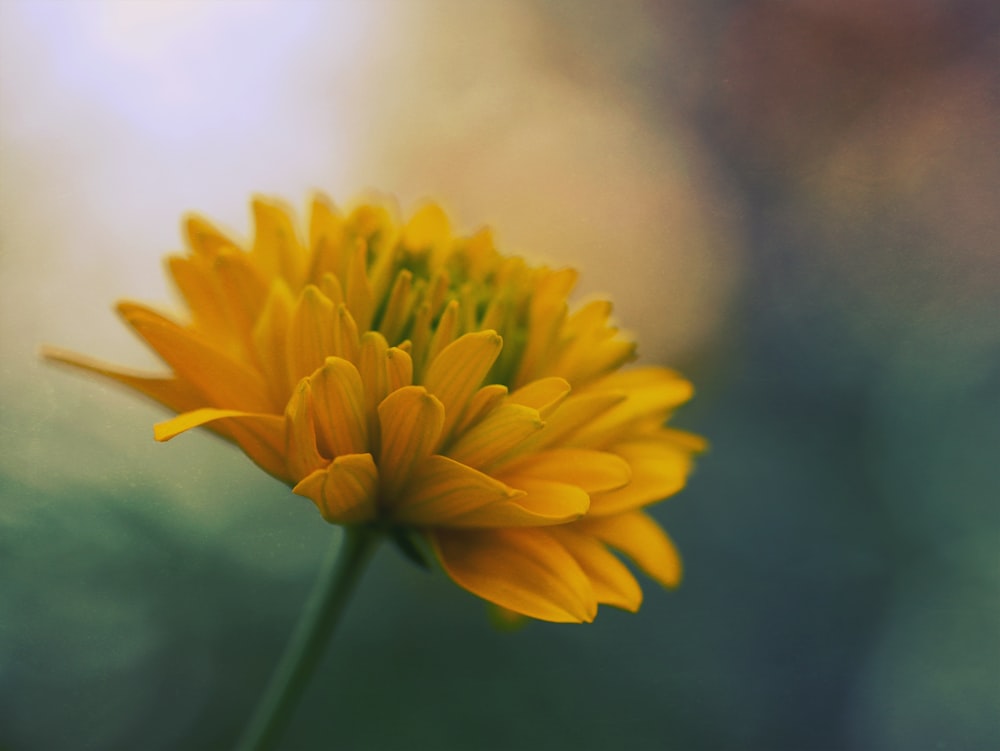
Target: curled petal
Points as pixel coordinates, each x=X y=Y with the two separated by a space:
x=524 y=570
x=344 y=492
x=411 y=420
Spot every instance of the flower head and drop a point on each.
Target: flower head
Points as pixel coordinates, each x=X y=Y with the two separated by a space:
x=401 y=376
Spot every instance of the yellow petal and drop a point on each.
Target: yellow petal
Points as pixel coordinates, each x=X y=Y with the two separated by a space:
x=269 y=335
x=613 y=583
x=411 y=420
x=310 y=333
x=592 y=471
x=346 y=342
x=262 y=437
x=224 y=382
x=203 y=238
x=482 y=402
x=548 y=501
x=524 y=570
x=638 y=536
x=497 y=436
x=276 y=248
x=346 y=491
x=399 y=367
x=339 y=405
x=441 y=489
x=545 y=394
x=428 y=227
x=659 y=470
x=301 y=452
x=174 y=393
x=399 y=307
x=455 y=374
x=326 y=237
x=358 y=289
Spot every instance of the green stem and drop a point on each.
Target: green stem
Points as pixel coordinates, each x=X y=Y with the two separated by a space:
x=339 y=574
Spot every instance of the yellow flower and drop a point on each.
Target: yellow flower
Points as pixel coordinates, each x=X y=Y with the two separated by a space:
x=400 y=376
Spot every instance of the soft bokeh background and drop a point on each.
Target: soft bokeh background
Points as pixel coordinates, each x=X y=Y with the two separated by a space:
x=795 y=202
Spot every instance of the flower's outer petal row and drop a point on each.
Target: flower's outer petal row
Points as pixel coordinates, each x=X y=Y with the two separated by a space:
x=442 y=492
x=224 y=382
x=345 y=492
x=651 y=393
x=659 y=470
x=269 y=341
x=261 y=436
x=613 y=583
x=637 y=535
x=411 y=420
x=171 y=392
x=591 y=471
x=525 y=570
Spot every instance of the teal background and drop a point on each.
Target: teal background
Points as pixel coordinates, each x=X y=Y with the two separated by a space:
x=836 y=171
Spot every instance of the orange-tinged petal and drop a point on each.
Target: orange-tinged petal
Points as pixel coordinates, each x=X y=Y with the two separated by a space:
x=346 y=341
x=564 y=422
x=592 y=471
x=545 y=394
x=326 y=227
x=276 y=248
x=339 y=405
x=659 y=470
x=399 y=367
x=262 y=437
x=398 y=307
x=203 y=237
x=524 y=570
x=455 y=374
x=613 y=583
x=358 y=289
x=269 y=336
x=498 y=435
x=637 y=535
x=345 y=492
x=482 y=402
x=301 y=452
x=411 y=420
x=549 y=501
x=224 y=382
x=441 y=489
x=172 y=392
x=310 y=333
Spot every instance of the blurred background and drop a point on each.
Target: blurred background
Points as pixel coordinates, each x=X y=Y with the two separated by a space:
x=794 y=202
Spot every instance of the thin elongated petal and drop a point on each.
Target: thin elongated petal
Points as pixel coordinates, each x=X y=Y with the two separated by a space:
x=455 y=374
x=613 y=583
x=638 y=536
x=224 y=382
x=524 y=570
x=482 y=403
x=276 y=248
x=659 y=470
x=545 y=394
x=261 y=437
x=203 y=237
x=446 y=493
x=411 y=420
x=358 y=289
x=501 y=432
x=442 y=489
x=310 y=333
x=592 y=471
x=171 y=392
x=346 y=491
